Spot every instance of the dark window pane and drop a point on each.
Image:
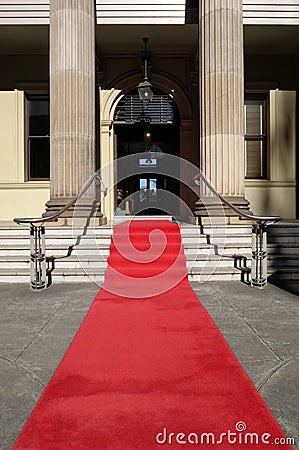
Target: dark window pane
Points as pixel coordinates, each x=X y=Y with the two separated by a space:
x=39 y=126
x=39 y=119
x=254 y=119
x=254 y=159
x=39 y=158
x=38 y=137
x=255 y=138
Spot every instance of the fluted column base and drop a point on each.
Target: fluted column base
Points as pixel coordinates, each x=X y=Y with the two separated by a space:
x=86 y=209
x=206 y=211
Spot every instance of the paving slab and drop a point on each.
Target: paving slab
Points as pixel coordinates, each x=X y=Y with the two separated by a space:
x=280 y=391
x=19 y=392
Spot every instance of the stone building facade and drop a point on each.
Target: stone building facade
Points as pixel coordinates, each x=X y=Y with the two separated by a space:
x=229 y=70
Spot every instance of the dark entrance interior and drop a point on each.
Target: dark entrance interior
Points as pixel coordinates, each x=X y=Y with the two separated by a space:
x=153 y=131
x=141 y=193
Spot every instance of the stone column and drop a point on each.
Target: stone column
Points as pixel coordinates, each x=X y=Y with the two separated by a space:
x=72 y=98
x=221 y=87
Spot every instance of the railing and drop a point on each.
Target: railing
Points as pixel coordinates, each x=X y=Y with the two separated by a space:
x=259 y=235
x=40 y=275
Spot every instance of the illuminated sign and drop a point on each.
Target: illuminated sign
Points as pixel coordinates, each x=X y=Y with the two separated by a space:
x=149 y=162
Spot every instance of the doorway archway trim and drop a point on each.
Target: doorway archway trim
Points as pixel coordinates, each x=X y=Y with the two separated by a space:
x=109 y=99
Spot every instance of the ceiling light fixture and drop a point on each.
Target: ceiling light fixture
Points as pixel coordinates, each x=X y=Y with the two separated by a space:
x=145 y=89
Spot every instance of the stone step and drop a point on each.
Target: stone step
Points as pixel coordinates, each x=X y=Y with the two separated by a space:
x=96 y=255
x=283 y=251
x=104 y=229
x=59 y=275
x=24 y=251
x=211 y=262
x=283 y=234
x=283 y=273
x=220 y=230
x=222 y=273
x=282 y=248
x=242 y=239
x=286 y=241
x=70 y=262
x=85 y=241
x=61 y=242
x=79 y=275
x=102 y=254
x=227 y=229
x=119 y=219
x=226 y=245
x=283 y=261
x=284 y=227
x=99 y=267
x=57 y=231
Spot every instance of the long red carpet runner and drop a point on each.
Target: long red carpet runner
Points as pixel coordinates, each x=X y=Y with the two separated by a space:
x=148 y=368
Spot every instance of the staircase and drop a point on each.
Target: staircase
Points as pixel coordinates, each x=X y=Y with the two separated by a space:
x=91 y=253
x=283 y=251
x=209 y=252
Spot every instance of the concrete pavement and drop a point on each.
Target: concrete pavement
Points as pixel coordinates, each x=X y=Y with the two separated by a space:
x=36 y=328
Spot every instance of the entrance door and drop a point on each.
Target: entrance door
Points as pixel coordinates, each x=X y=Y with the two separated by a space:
x=148 y=191
x=148 y=194
x=143 y=192
x=152 y=131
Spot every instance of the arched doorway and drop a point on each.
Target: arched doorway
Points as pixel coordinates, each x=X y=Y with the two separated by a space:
x=109 y=100
x=154 y=129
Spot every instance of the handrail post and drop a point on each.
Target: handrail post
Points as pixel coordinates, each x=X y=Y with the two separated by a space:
x=38 y=270
x=259 y=255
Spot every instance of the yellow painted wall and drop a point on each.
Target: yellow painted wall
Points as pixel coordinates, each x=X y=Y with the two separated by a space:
x=18 y=197
x=277 y=195
x=11 y=137
x=23 y=199
x=272 y=198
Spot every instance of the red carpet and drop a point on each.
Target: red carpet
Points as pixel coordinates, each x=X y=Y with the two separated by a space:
x=141 y=369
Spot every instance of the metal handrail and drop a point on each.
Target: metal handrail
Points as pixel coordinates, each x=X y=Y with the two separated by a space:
x=54 y=217
x=38 y=260
x=241 y=214
x=259 y=235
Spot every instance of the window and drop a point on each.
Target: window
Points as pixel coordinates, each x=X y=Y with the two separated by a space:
x=255 y=137
x=38 y=137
